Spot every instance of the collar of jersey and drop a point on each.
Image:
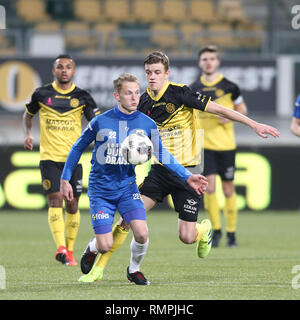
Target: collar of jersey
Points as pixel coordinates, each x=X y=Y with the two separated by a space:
x=161 y=92
x=123 y=115
x=54 y=85
x=210 y=84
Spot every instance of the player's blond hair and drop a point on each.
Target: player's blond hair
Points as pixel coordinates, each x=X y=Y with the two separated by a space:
x=125 y=77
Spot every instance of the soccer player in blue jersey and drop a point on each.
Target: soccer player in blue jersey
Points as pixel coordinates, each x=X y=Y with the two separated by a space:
x=295 y=124
x=172 y=108
x=112 y=184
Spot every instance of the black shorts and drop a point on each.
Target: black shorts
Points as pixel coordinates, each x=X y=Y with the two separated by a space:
x=160 y=182
x=51 y=172
x=219 y=162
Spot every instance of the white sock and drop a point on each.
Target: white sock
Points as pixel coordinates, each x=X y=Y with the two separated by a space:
x=138 y=252
x=93 y=245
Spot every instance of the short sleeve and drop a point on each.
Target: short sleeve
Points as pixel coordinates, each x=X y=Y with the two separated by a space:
x=33 y=106
x=91 y=110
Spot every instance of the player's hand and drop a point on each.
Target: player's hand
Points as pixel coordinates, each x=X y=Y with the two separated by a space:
x=198 y=183
x=264 y=130
x=28 y=142
x=66 y=190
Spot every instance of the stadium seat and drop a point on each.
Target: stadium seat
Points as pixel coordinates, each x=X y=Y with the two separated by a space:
x=48 y=26
x=32 y=10
x=221 y=35
x=117 y=10
x=5 y=45
x=249 y=36
x=164 y=35
x=106 y=30
x=194 y=35
x=232 y=11
x=88 y=10
x=173 y=10
x=202 y=11
x=145 y=11
x=77 y=34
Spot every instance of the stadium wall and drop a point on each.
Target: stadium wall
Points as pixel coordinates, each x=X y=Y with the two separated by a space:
x=257 y=79
x=266 y=178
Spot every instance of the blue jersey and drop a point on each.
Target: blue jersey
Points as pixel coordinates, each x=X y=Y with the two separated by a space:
x=110 y=171
x=297 y=108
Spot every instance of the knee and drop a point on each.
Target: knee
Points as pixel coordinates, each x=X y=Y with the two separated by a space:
x=104 y=246
x=72 y=206
x=186 y=238
x=54 y=200
x=141 y=236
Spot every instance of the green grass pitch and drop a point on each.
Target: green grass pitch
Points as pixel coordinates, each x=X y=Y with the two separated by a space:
x=259 y=268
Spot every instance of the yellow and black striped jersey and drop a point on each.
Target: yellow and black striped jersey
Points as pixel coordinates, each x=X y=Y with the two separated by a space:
x=60 y=114
x=172 y=110
x=218 y=136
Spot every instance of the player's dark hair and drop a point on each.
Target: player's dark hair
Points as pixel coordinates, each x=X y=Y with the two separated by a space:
x=64 y=56
x=158 y=57
x=209 y=48
x=125 y=77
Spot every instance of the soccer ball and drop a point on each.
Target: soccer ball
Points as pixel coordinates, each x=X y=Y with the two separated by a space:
x=137 y=148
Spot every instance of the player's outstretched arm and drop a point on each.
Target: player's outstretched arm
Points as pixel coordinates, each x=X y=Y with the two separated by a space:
x=198 y=183
x=261 y=129
x=66 y=190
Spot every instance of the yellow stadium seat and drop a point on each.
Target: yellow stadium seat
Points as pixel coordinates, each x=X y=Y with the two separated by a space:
x=145 y=11
x=194 y=35
x=164 y=35
x=221 y=35
x=173 y=10
x=232 y=11
x=77 y=34
x=48 y=26
x=249 y=36
x=106 y=30
x=88 y=10
x=117 y=10
x=202 y=11
x=31 y=10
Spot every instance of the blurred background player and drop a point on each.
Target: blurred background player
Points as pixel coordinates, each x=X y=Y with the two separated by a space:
x=171 y=106
x=295 y=124
x=60 y=105
x=112 y=184
x=219 y=142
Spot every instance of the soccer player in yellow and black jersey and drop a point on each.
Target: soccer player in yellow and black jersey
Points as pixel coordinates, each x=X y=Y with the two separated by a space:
x=219 y=142
x=60 y=105
x=172 y=107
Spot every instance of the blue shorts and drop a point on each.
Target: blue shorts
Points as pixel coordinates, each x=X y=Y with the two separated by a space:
x=126 y=200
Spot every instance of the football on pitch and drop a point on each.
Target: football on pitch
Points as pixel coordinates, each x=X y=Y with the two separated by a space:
x=137 y=148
